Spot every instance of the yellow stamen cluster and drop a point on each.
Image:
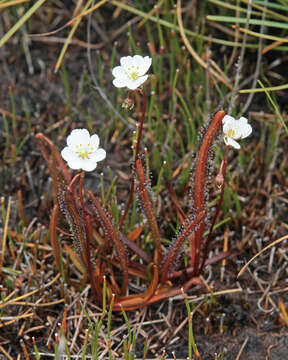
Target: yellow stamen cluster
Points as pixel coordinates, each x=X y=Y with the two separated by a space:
x=133 y=73
x=231 y=133
x=83 y=153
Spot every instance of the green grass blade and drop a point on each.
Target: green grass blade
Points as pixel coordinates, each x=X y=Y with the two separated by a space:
x=274 y=106
x=271 y=5
x=176 y=28
x=235 y=20
x=21 y=21
x=263 y=89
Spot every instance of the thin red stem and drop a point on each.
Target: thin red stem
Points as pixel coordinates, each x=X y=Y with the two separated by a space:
x=208 y=239
x=72 y=182
x=88 y=230
x=143 y=194
x=140 y=129
x=81 y=194
x=139 y=136
x=89 y=235
x=128 y=203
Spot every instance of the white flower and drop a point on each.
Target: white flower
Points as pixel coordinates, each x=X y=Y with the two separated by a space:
x=132 y=71
x=82 y=151
x=235 y=130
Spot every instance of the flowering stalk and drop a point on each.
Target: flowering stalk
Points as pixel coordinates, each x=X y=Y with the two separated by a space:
x=89 y=235
x=200 y=183
x=140 y=128
x=137 y=149
x=131 y=73
x=88 y=232
x=222 y=173
x=81 y=192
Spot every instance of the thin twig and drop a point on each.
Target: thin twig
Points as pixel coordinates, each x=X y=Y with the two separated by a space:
x=260 y=252
x=242 y=348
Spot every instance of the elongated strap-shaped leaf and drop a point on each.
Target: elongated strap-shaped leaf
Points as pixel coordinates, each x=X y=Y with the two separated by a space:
x=54 y=240
x=201 y=179
x=134 y=301
x=45 y=144
x=78 y=225
x=144 y=197
x=188 y=229
x=115 y=238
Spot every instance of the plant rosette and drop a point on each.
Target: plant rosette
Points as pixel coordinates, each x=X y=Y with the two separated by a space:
x=235 y=130
x=131 y=72
x=82 y=150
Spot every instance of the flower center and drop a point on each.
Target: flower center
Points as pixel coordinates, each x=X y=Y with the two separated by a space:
x=231 y=133
x=132 y=72
x=84 y=153
x=134 y=75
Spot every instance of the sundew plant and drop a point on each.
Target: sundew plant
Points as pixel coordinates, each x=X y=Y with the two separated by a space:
x=143 y=179
x=112 y=255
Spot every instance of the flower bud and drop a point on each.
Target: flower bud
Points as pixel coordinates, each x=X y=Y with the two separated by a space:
x=219 y=179
x=128 y=103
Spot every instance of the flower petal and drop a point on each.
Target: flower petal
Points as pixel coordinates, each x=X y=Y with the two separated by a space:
x=237 y=130
x=232 y=143
x=226 y=127
x=146 y=63
x=227 y=118
x=76 y=163
x=89 y=165
x=126 y=62
x=137 y=60
x=94 y=141
x=119 y=72
x=98 y=155
x=77 y=137
x=243 y=121
x=134 y=84
x=120 y=82
x=246 y=131
x=73 y=161
x=67 y=154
